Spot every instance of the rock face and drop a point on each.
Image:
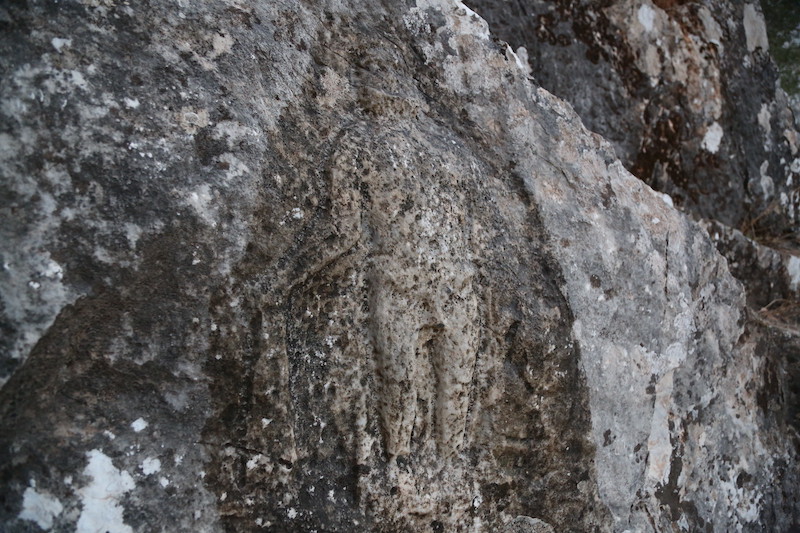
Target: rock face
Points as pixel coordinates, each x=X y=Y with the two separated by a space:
x=347 y=268
x=684 y=89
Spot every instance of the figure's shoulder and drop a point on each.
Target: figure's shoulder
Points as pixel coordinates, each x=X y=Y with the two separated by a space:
x=370 y=137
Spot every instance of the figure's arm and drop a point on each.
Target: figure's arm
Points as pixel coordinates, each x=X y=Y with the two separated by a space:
x=335 y=229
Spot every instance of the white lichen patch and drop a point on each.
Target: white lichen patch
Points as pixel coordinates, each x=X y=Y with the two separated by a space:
x=254 y=461
x=139 y=424
x=59 y=43
x=764 y=118
x=132 y=232
x=647 y=17
x=767 y=183
x=40 y=507
x=200 y=200
x=150 y=466
x=77 y=80
x=52 y=270
x=101 y=510
x=222 y=44
x=755 y=29
x=713 y=138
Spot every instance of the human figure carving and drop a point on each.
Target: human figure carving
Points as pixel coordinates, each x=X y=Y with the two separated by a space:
x=409 y=208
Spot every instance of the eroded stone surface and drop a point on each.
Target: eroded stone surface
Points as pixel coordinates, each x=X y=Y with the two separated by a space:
x=685 y=91
x=344 y=267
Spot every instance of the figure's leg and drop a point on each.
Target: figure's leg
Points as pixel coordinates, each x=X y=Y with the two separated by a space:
x=454 y=356
x=395 y=344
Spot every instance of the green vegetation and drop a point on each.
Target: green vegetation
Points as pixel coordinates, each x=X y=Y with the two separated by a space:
x=783 y=29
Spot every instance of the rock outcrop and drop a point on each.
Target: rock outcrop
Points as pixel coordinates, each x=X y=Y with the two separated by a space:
x=684 y=89
x=690 y=99
x=346 y=267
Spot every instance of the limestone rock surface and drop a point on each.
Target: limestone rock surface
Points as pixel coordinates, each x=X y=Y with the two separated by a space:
x=684 y=89
x=343 y=266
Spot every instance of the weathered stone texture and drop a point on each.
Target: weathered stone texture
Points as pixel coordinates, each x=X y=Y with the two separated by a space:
x=685 y=90
x=344 y=267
